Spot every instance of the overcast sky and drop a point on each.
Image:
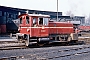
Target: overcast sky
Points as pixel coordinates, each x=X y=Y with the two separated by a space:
x=77 y=7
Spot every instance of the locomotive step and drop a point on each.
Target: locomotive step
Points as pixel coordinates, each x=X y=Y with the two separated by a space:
x=32 y=43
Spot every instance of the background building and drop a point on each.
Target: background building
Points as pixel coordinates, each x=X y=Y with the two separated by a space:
x=80 y=18
x=9 y=14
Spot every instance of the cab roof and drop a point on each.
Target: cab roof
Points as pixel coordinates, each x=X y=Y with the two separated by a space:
x=38 y=15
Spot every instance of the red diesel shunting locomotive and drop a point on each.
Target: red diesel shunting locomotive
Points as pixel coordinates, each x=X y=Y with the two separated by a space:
x=36 y=28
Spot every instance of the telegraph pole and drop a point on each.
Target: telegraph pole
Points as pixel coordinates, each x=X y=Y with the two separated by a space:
x=57 y=10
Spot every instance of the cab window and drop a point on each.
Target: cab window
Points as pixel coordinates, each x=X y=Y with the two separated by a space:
x=21 y=20
x=34 y=22
x=43 y=21
x=27 y=19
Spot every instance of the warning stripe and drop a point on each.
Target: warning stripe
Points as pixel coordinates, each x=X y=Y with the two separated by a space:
x=46 y=27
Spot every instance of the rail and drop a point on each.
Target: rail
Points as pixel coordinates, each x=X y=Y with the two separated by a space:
x=52 y=54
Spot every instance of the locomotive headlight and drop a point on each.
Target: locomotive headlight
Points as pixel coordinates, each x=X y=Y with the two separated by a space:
x=28 y=30
x=43 y=27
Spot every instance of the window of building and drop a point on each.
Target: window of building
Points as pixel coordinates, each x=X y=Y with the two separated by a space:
x=4 y=18
x=9 y=20
x=27 y=19
x=5 y=14
x=12 y=15
x=0 y=13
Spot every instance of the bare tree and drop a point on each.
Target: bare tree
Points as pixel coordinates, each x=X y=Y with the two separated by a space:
x=70 y=13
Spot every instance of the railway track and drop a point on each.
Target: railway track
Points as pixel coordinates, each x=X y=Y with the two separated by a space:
x=18 y=51
x=17 y=45
x=7 y=43
x=11 y=45
x=50 y=53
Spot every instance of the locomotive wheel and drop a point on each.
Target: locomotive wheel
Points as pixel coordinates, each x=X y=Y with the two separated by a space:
x=19 y=39
x=74 y=41
x=40 y=44
x=27 y=40
x=26 y=43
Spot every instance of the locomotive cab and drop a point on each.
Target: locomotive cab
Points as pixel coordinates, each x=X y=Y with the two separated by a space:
x=33 y=26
